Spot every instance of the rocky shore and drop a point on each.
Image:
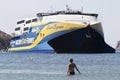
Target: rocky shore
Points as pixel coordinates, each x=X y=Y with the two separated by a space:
x=4 y=41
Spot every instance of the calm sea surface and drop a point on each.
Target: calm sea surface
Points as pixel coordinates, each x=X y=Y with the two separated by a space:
x=36 y=66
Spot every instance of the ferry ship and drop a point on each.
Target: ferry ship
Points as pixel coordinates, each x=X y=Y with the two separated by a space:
x=65 y=31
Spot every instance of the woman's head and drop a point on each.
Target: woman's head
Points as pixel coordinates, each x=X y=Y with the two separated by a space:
x=71 y=60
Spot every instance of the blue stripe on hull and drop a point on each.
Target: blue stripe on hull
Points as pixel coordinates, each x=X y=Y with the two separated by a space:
x=40 y=48
x=33 y=51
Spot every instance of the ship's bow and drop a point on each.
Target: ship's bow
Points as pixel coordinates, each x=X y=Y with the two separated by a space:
x=84 y=40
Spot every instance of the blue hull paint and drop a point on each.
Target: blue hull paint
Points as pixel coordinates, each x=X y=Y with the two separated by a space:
x=43 y=46
x=34 y=51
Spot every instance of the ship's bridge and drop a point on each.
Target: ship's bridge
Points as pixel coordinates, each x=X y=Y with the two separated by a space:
x=68 y=16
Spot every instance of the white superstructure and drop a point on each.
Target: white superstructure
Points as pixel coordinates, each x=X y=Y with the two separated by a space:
x=76 y=17
x=24 y=25
x=69 y=18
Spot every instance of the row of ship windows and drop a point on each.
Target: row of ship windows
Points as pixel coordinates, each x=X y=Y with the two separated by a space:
x=27 y=28
x=29 y=21
x=18 y=28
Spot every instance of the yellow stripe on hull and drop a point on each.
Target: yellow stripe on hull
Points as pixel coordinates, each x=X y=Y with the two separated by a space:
x=50 y=29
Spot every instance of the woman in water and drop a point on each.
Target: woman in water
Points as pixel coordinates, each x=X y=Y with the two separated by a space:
x=71 y=67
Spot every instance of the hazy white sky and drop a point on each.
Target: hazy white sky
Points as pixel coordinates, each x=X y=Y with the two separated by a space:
x=108 y=10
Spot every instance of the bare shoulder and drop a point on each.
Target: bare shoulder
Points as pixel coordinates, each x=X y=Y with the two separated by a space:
x=69 y=64
x=74 y=64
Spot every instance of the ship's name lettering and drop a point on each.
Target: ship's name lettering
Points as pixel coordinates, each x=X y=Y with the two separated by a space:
x=30 y=40
x=19 y=42
x=55 y=27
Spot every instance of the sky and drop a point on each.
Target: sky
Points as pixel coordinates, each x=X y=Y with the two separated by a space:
x=109 y=13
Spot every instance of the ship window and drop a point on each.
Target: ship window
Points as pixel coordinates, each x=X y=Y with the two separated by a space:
x=26 y=28
x=34 y=20
x=22 y=21
x=33 y=29
x=16 y=29
x=29 y=21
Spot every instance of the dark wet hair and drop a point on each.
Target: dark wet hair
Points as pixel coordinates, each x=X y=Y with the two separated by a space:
x=71 y=60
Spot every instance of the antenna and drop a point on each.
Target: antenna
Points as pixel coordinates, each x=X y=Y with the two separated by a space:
x=68 y=8
x=51 y=9
x=81 y=9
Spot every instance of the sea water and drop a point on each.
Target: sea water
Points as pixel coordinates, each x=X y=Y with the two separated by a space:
x=36 y=66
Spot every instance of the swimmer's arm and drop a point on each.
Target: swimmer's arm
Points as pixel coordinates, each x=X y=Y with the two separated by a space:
x=68 y=71
x=77 y=69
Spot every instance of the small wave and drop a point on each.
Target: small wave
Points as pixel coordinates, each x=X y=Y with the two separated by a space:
x=27 y=71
